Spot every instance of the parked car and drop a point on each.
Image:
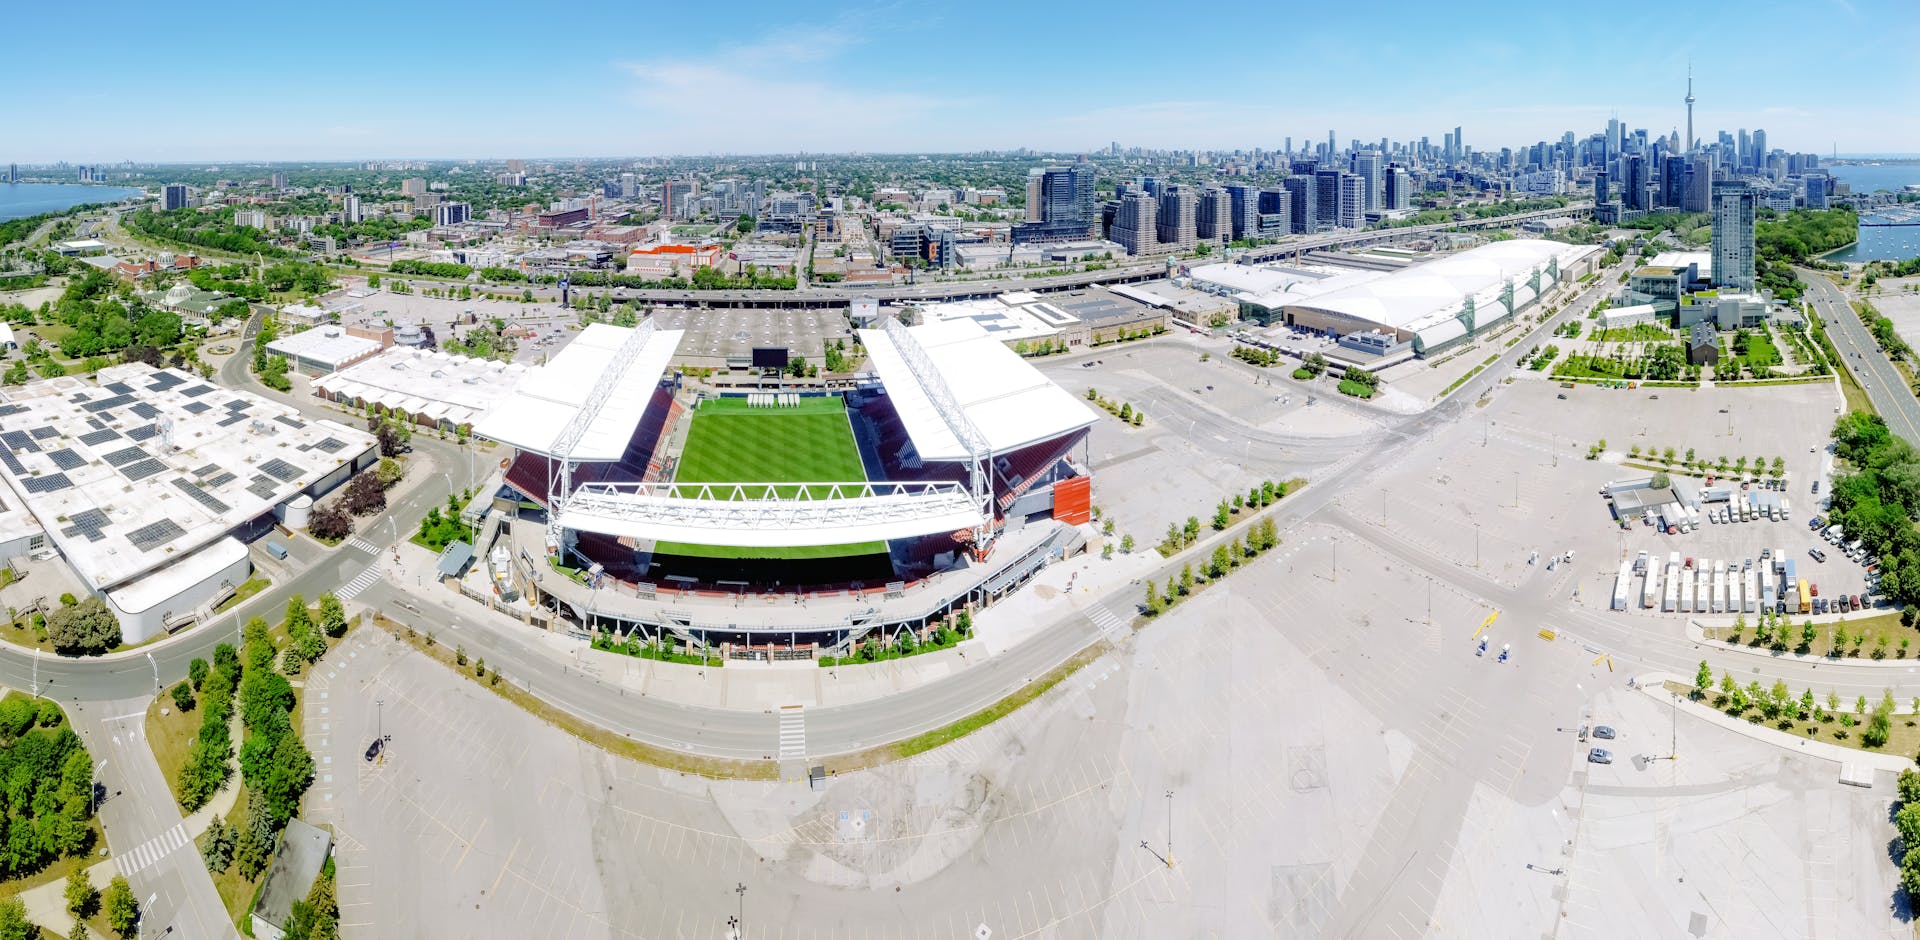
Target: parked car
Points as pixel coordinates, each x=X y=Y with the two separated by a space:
x=1600 y=755
x=1603 y=732
x=1813 y=589
x=373 y=750
x=1853 y=602
x=1817 y=554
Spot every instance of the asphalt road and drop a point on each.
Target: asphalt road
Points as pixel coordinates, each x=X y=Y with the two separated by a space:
x=1882 y=379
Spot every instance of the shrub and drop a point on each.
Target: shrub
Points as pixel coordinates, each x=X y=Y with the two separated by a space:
x=183 y=697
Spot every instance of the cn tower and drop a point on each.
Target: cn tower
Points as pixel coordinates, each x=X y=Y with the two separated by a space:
x=1687 y=145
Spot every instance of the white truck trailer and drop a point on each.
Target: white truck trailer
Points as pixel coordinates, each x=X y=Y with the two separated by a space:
x=1623 y=585
x=1650 y=592
x=1750 y=591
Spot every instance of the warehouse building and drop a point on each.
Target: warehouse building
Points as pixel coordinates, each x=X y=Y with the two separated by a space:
x=149 y=481
x=331 y=348
x=1450 y=300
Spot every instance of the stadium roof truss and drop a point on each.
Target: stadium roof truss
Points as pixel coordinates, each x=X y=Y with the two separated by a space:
x=772 y=515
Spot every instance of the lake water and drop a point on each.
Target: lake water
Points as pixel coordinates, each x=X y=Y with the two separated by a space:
x=18 y=200
x=1880 y=242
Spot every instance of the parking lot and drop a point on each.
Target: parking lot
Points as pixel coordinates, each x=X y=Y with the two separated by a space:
x=714 y=335
x=448 y=319
x=1214 y=428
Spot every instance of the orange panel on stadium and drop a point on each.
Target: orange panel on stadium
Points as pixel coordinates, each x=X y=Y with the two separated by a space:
x=1073 y=500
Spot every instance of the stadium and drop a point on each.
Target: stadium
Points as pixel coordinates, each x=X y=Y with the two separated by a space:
x=787 y=520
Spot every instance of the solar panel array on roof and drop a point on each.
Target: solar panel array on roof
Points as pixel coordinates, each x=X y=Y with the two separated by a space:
x=221 y=479
x=143 y=469
x=19 y=440
x=234 y=418
x=66 y=459
x=263 y=487
x=207 y=471
x=281 y=470
x=45 y=431
x=6 y=410
x=13 y=463
x=125 y=455
x=46 y=484
x=118 y=388
x=94 y=422
x=97 y=438
x=196 y=391
x=201 y=496
x=145 y=410
x=88 y=523
x=103 y=404
x=196 y=407
x=143 y=432
x=152 y=536
x=165 y=380
x=238 y=404
x=331 y=445
x=290 y=421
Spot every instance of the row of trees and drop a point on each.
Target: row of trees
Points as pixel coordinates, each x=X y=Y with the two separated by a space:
x=1260 y=537
x=364 y=495
x=1778 y=704
x=209 y=757
x=214 y=230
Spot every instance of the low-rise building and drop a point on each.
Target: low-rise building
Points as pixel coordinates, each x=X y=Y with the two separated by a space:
x=659 y=261
x=297 y=860
x=1703 y=345
x=1614 y=318
x=329 y=348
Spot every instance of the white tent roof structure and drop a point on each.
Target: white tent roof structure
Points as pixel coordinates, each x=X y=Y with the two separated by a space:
x=552 y=395
x=1002 y=395
x=1419 y=298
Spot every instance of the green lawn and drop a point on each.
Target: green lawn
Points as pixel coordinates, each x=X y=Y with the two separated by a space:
x=732 y=442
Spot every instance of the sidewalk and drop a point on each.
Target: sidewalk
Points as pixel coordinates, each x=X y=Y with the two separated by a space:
x=47 y=903
x=1650 y=684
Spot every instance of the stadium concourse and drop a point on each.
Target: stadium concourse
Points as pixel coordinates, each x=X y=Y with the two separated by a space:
x=792 y=519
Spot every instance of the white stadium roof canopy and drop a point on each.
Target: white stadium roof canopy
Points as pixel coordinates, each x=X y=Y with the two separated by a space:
x=552 y=395
x=1002 y=395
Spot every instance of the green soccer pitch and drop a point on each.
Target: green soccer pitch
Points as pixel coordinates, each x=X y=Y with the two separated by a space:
x=732 y=442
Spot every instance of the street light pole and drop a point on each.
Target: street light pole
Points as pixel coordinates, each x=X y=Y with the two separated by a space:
x=1169 y=828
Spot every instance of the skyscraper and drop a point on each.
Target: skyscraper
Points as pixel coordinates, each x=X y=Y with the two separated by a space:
x=1215 y=219
x=1304 y=215
x=1733 y=210
x=1759 y=161
x=1633 y=182
x=1600 y=188
x=1276 y=213
x=1245 y=210
x=1135 y=224
x=174 y=197
x=1367 y=166
x=1673 y=182
x=1353 y=201
x=1397 y=188
x=1059 y=204
x=1177 y=218
x=349 y=209
x=1699 y=184
x=1326 y=197
x=279 y=181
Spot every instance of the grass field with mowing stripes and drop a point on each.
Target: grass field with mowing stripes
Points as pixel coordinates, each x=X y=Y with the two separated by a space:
x=733 y=442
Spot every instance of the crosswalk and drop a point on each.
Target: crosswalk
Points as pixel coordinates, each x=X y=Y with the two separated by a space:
x=1110 y=624
x=153 y=850
x=793 y=733
x=363 y=545
x=364 y=581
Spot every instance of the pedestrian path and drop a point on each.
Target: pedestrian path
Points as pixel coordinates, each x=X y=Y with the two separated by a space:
x=363 y=545
x=153 y=850
x=793 y=733
x=365 y=580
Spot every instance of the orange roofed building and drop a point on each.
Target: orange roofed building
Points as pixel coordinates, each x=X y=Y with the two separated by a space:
x=658 y=261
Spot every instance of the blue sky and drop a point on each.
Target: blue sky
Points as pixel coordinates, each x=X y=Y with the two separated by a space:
x=269 y=81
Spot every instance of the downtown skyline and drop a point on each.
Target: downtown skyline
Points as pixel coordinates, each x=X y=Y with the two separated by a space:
x=855 y=79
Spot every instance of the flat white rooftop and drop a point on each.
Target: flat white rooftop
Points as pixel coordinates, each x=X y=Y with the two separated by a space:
x=134 y=472
x=551 y=395
x=1004 y=396
x=460 y=389
x=1276 y=284
x=1010 y=317
x=1680 y=259
x=323 y=344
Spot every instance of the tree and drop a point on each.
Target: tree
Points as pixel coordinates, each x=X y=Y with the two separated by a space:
x=1808 y=633
x=87 y=628
x=1222 y=515
x=333 y=616
x=216 y=848
x=364 y=497
x=1661 y=481
x=1126 y=544
x=1186 y=580
x=197 y=672
x=330 y=522
x=1154 y=605
x=183 y=697
x=82 y=898
x=14 y=924
x=1703 y=680
x=123 y=911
